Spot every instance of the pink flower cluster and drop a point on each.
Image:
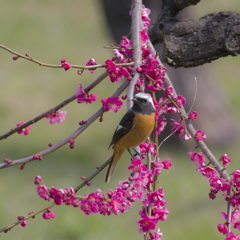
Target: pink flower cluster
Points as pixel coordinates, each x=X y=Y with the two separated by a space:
x=178 y=128
x=24 y=130
x=219 y=184
x=65 y=65
x=215 y=181
x=115 y=72
x=83 y=97
x=119 y=200
x=91 y=62
x=57 y=116
x=112 y=103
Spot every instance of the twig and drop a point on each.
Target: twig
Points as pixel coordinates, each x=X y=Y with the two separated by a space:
x=53 y=204
x=58 y=66
x=54 y=109
x=66 y=140
x=29 y=216
x=195 y=95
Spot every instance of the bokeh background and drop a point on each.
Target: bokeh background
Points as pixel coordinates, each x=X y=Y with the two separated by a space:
x=77 y=30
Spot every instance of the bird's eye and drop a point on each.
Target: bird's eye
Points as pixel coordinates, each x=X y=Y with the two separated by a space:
x=144 y=100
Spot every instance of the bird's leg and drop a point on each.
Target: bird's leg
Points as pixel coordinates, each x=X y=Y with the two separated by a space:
x=130 y=152
x=137 y=152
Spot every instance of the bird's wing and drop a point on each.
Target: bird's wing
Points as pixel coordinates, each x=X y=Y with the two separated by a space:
x=124 y=127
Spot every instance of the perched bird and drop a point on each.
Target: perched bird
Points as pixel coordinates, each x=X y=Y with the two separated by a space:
x=134 y=128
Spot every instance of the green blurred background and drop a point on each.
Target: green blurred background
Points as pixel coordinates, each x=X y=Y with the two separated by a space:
x=76 y=30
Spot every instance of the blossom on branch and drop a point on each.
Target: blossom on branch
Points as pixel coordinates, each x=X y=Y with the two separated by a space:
x=225 y=160
x=24 y=130
x=57 y=116
x=200 y=135
x=193 y=115
x=91 y=62
x=65 y=65
x=83 y=97
x=112 y=103
x=115 y=72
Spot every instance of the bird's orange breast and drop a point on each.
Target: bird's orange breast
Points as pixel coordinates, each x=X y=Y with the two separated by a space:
x=142 y=128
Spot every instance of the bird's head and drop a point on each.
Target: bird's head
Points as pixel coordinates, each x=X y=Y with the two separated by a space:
x=143 y=103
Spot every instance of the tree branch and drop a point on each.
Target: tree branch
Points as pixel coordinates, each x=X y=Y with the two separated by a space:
x=192 y=43
x=29 y=58
x=54 y=109
x=66 y=140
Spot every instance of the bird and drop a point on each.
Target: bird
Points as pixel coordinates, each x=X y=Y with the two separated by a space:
x=134 y=128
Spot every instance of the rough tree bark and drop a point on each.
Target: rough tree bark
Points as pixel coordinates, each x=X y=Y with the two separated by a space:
x=174 y=35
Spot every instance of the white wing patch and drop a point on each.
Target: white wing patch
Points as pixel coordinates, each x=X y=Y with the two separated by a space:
x=119 y=127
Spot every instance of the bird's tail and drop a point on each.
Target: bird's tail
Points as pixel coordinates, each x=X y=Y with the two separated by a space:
x=115 y=157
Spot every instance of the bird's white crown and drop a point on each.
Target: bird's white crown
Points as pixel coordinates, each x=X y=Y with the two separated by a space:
x=145 y=96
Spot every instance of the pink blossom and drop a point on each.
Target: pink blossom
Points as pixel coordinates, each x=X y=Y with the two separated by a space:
x=156 y=86
x=200 y=135
x=70 y=197
x=219 y=184
x=161 y=125
x=169 y=90
x=236 y=178
x=49 y=214
x=58 y=195
x=193 y=115
x=112 y=103
x=167 y=164
x=125 y=44
x=119 y=202
x=225 y=160
x=146 y=224
x=156 y=198
x=237 y=225
x=43 y=192
x=144 y=36
x=178 y=127
x=197 y=157
x=222 y=228
x=58 y=117
x=136 y=165
x=110 y=66
x=104 y=208
x=148 y=147
x=157 y=166
x=155 y=235
x=145 y=18
x=24 y=223
x=38 y=180
x=235 y=215
x=153 y=69
x=24 y=130
x=119 y=56
x=91 y=62
x=90 y=204
x=186 y=136
x=231 y=236
x=65 y=65
x=180 y=101
x=80 y=94
x=90 y=98
x=207 y=172
x=160 y=213
x=115 y=72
